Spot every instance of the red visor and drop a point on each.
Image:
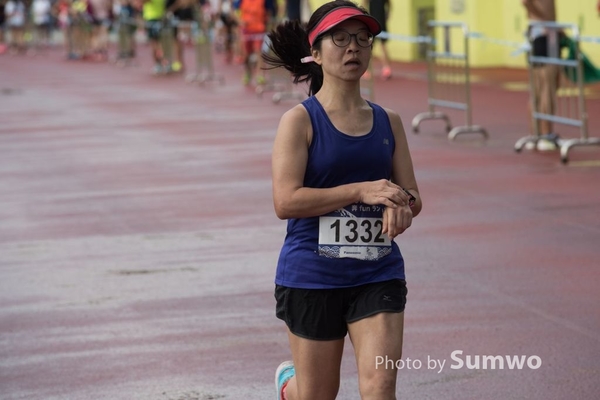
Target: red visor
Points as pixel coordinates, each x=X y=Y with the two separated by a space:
x=337 y=15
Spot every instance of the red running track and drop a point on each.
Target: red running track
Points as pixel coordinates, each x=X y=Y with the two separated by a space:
x=138 y=242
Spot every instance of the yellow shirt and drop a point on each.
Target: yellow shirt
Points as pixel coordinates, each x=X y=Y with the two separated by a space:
x=154 y=9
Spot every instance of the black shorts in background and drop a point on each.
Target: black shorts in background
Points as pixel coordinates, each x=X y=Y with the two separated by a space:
x=378 y=10
x=539 y=48
x=153 y=29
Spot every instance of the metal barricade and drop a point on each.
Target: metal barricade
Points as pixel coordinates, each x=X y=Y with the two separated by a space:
x=167 y=39
x=567 y=104
x=277 y=80
x=367 y=87
x=202 y=37
x=448 y=82
x=169 y=43
x=203 y=49
x=126 y=29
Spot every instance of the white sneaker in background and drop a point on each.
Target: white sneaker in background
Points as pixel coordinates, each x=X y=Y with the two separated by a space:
x=546 y=145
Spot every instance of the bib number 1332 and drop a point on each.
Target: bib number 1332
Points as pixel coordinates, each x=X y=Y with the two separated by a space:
x=365 y=231
x=354 y=236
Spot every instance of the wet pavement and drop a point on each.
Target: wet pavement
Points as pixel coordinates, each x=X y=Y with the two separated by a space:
x=138 y=242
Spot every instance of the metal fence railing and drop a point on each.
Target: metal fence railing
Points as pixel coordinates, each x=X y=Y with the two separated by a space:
x=563 y=101
x=448 y=79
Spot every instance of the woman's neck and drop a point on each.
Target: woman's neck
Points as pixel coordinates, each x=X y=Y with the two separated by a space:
x=341 y=95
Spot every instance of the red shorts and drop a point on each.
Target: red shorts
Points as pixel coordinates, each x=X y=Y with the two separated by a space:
x=252 y=41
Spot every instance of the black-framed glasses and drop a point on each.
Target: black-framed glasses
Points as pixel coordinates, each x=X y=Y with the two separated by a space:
x=342 y=38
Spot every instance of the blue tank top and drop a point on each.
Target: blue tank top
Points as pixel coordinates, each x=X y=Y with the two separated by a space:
x=344 y=248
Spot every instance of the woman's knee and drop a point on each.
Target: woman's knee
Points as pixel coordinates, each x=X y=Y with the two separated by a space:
x=378 y=387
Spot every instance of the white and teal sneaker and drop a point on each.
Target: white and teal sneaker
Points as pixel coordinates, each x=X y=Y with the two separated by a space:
x=284 y=373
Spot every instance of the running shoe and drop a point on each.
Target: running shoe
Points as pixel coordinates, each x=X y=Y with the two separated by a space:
x=176 y=66
x=386 y=73
x=246 y=78
x=284 y=373
x=260 y=80
x=546 y=145
x=157 y=69
x=549 y=142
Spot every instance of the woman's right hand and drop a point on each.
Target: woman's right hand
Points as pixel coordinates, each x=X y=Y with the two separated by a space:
x=383 y=192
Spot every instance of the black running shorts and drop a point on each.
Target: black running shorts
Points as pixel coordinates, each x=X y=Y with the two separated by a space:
x=324 y=314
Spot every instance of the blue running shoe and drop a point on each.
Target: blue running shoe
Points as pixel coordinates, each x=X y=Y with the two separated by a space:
x=158 y=69
x=284 y=373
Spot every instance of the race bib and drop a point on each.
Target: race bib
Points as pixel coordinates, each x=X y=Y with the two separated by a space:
x=343 y=234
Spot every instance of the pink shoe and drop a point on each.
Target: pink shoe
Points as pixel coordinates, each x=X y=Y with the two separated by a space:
x=386 y=73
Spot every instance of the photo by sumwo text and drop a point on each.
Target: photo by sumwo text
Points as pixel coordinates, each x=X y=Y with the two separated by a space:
x=458 y=360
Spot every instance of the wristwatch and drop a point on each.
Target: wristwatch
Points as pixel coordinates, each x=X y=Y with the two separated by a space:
x=411 y=198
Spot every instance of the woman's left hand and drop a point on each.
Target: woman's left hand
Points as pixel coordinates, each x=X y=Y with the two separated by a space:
x=396 y=220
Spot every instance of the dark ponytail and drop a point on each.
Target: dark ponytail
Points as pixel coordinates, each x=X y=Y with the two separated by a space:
x=288 y=45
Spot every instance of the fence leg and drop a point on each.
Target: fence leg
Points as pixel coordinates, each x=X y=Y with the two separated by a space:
x=568 y=144
x=430 y=115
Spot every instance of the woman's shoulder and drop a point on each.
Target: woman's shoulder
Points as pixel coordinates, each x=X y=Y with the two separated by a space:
x=295 y=124
x=296 y=114
x=393 y=117
x=295 y=121
x=392 y=114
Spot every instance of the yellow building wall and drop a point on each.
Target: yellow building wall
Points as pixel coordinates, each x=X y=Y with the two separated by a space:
x=502 y=22
x=479 y=16
x=403 y=21
x=585 y=14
